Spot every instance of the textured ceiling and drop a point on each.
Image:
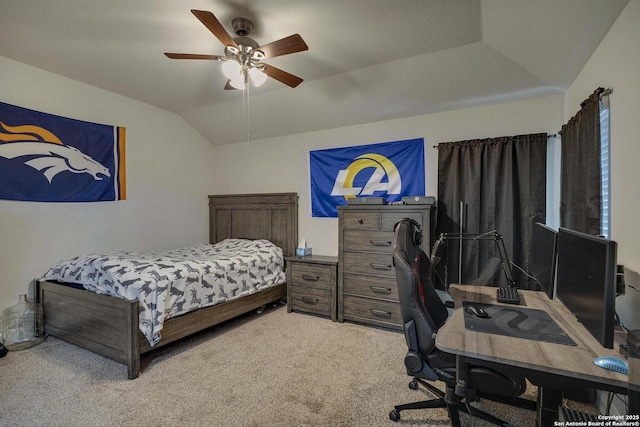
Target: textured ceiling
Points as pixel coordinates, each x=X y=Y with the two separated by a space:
x=368 y=60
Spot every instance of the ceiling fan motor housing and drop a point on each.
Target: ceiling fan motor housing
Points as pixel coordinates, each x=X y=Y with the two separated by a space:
x=242 y=26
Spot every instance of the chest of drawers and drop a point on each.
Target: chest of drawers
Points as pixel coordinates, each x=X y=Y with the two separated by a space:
x=367 y=290
x=312 y=285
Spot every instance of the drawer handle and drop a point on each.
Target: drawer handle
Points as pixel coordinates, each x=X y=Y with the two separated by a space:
x=376 y=266
x=380 y=313
x=380 y=243
x=360 y=221
x=310 y=278
x=380 y=290
x=312 y=301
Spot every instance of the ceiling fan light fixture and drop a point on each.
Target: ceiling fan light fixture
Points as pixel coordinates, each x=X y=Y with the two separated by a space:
x=238 y=82
x=257 y=76
x=231 y=70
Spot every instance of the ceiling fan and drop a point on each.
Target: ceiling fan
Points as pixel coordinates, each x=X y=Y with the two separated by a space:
x=243 y=56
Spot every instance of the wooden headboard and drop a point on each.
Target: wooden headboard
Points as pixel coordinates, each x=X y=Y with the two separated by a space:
x=271 y=216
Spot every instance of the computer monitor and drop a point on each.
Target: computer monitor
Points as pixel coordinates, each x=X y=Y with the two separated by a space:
x=586 y=281
x=543 y=257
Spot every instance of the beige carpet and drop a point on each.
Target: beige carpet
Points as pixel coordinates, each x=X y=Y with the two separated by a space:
x=269 y=369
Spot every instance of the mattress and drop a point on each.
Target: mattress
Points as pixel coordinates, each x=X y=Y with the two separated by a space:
x=174 y=282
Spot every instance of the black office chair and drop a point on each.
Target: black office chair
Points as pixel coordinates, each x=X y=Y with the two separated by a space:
x=423 y=313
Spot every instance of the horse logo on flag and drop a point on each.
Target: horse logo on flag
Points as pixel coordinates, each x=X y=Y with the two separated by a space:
x=48 y=158
x=45 y=152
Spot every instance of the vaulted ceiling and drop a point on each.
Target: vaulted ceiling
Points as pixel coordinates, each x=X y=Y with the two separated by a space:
x=368 y=60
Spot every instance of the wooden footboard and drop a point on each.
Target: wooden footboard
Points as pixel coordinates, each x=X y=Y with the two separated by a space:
x=102 y=324
x=109 y=326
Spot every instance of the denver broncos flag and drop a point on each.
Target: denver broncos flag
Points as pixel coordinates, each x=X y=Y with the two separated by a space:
x=49 y=158
x=390 y=170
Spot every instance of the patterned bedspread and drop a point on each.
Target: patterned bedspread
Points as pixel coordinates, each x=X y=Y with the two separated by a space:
x=174 y=282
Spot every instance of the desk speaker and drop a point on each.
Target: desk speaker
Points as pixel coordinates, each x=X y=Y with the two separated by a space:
x=419 y=200
x=366 y=201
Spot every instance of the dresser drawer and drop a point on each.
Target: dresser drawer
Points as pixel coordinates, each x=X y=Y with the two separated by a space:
x=361 y=220
x=389 y=219
x=370 y=241
x=312 y=275
x=366 y=263
x=365 y=309
x=311 y=300
x=370 y=286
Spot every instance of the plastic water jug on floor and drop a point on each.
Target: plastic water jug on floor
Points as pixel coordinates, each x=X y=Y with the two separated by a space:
x=22 y=325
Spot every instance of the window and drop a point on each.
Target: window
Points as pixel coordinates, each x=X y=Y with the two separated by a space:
x=605 y=168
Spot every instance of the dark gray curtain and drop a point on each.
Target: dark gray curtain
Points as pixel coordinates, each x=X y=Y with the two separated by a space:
x=580 y=172
x=502 y=185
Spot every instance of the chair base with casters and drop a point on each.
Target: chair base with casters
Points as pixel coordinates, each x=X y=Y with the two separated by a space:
x=454 y=405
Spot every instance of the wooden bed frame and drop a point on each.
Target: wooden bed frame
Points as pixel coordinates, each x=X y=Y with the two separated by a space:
x=109 y=326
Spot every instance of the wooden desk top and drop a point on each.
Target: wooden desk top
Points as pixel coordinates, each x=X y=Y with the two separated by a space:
x=572 y=361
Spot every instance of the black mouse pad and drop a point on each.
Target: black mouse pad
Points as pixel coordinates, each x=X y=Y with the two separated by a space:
x=514 y=321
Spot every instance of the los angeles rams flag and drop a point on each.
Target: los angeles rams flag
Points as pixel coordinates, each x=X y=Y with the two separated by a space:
x=390 y=170
x=50 y=158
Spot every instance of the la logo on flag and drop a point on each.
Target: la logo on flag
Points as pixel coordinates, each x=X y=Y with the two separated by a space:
x=56 y=159
x=390 y=170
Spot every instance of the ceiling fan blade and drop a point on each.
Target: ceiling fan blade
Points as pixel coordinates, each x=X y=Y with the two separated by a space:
x=228 y=86
x=192 y=56
x=212 y=23
x=285 y=46
x=282 y=76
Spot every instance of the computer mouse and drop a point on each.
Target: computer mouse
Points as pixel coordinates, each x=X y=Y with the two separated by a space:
x=476 y=311
x=613 y=364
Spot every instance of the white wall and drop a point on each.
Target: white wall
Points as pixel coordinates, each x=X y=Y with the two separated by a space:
x=616 y=64
x=282 y=164
x=169 y=174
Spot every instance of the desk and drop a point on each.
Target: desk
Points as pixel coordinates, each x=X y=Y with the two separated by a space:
x=552 y=367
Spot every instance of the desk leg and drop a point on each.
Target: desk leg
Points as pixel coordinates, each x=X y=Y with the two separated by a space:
x=547 y=406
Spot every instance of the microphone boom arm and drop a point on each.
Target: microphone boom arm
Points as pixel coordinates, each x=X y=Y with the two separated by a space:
x=489 y=235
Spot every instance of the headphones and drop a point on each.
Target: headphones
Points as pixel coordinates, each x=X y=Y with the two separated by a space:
x=417 y=233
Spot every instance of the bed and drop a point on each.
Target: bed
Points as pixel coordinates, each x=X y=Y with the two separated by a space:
x=110 y=326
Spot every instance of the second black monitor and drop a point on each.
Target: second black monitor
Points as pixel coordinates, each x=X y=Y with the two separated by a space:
x=544 y=250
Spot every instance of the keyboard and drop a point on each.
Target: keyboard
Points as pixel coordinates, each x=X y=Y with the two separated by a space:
x=508 y=295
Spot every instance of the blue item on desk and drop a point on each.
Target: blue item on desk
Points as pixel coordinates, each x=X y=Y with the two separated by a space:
x=613 y=364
